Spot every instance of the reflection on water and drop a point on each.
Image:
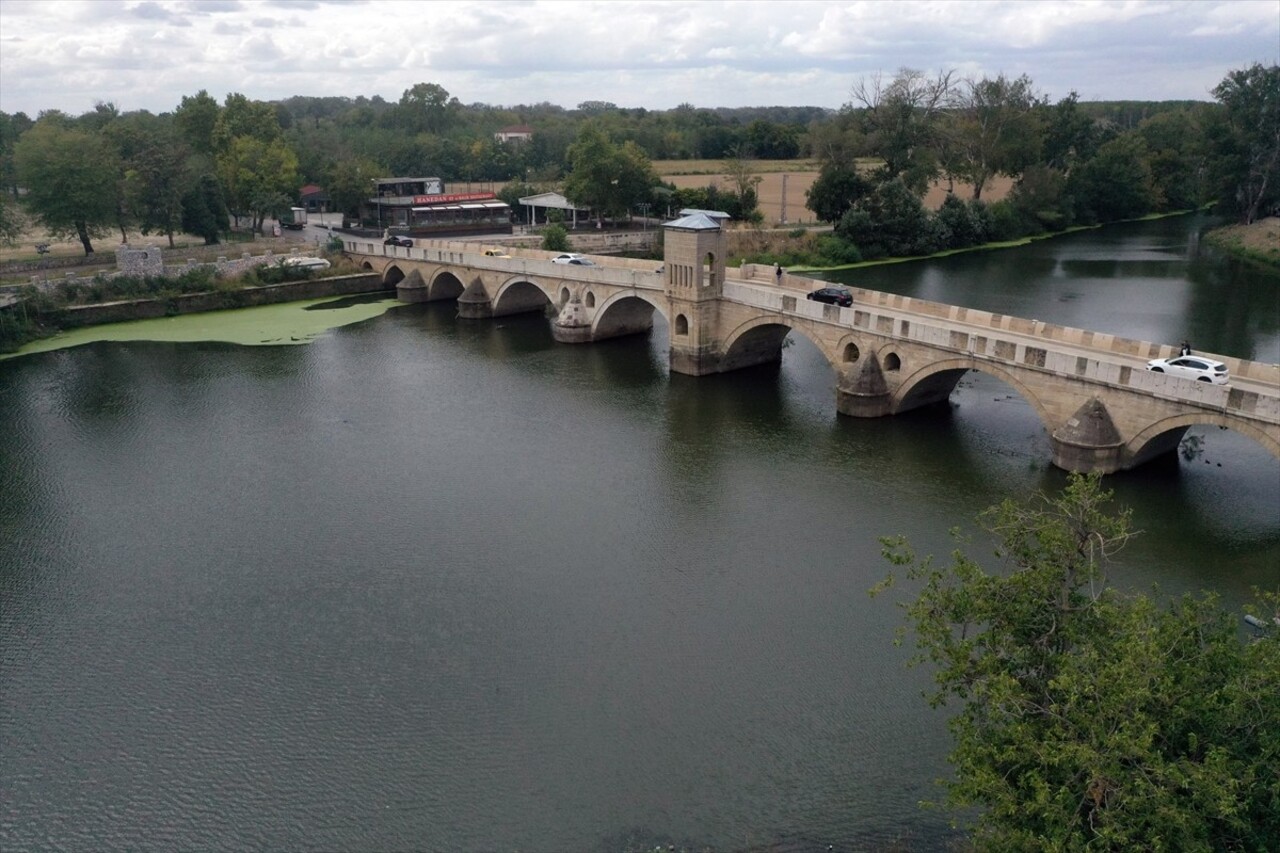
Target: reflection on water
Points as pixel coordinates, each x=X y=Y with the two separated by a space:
x=435 y=584
x=1149 y=281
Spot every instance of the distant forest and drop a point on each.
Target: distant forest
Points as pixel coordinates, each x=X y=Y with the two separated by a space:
x=1072 y=161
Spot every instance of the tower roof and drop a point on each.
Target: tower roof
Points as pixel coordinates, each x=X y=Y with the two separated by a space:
x=699 y=221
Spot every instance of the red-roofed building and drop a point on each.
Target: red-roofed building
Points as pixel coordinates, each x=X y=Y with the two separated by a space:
x=314 y=198
x=515 y=133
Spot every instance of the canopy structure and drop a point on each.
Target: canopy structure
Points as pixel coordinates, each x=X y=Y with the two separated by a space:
x=548 y=201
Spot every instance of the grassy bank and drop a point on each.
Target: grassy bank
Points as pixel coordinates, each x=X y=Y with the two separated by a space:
x=1258 y=243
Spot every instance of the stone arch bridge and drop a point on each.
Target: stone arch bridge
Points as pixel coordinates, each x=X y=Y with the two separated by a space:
x=1102 y=409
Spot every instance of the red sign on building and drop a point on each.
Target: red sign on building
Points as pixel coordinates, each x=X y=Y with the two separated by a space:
x=449 y=197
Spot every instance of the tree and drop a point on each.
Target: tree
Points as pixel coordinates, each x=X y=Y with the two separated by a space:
x=1175 y=142
x=555 y=239
x=902 y=123
x=606 y=177
x=10 y=221
x=1089 y=719
x=1117 y=183
x=745 y=183
x=891 y=221
x=836 y=189
x=1069 y=134
x=996 y=130
x=241 y=117
x=204 y=213
x=1246 y=142
x=258 y=177
x=11 y=128
x=427 y=108
x=70 y=177
x=196 y=117
x=350 y=184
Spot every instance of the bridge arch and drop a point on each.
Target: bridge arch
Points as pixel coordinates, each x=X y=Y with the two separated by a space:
x=519 y=295
x=392 y=275
x=623 y=314
x=935 y=381
x=760 y=340
x=444 y=285
x=1164 y=434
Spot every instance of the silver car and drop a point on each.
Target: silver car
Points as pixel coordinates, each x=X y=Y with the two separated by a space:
x=1191 y=367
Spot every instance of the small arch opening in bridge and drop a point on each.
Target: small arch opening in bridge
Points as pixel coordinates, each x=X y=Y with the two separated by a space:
x=366 y=266
x=851 y=353
x=564 y=296
x=590 y=301
x=682 y=325
x=393 y=276
x=892 y=362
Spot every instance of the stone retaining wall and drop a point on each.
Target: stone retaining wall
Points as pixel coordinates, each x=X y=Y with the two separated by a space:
x=194 y=303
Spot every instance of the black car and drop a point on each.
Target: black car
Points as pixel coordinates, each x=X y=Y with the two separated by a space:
x=397 y=240
x=832 y=296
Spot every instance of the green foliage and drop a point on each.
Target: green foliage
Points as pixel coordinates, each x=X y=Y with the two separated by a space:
x=70 y=177
x=1117 y=183
x=963 y=223
x=836 y=189
x=996 y=131
x=195 y=119
x=257 y=177
x=608 y=178
x=10 y=221
x=555 y=238
x=277 y=273
x=204 y=213
x=1088 y=719
x=902 y=123
x=1245 y=141
x=1041 y=202
x=892 y=222
x=349 y=182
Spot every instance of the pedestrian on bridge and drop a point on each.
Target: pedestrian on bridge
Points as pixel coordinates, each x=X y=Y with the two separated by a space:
x=1186 y=349
x=777 y=272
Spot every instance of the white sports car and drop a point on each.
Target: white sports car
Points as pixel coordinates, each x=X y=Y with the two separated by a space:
x=1191 y=367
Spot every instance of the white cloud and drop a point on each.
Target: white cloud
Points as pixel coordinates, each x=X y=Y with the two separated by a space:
x=147 y=54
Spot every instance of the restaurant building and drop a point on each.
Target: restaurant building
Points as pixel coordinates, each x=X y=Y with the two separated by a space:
x=419 y=207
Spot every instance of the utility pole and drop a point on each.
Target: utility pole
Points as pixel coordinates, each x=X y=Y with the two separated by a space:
x=784 y=198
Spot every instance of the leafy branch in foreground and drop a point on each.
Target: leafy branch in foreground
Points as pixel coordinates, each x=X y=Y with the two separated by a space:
x=1090 y=719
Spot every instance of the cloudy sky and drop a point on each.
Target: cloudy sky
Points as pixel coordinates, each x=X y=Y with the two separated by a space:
x=147 y=54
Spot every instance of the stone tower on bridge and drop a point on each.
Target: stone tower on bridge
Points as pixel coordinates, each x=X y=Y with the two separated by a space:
x=694 y=271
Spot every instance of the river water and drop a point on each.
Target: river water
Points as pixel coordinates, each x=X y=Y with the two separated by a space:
x=425 y=584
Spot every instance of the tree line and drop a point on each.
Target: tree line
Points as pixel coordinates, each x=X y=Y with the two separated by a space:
x=206 y=163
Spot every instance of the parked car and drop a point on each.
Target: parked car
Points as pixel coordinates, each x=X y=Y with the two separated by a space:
x=305 y=262
x=581 y=262
x=1191 y=367
x=569 y=258
x=397 y=240
x=832 y=296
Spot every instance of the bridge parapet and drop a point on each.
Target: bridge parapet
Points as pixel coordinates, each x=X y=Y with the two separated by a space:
x=1021 y=344
x=1240 y=368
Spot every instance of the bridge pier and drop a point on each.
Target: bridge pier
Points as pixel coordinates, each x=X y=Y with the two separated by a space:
x=474 y=302
x=412 y=288
x=572 y=325
x=864 y=394
x=1088 y=441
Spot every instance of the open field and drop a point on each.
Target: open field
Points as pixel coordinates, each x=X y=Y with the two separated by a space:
x=794 y=177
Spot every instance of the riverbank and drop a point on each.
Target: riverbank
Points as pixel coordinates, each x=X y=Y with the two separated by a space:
x=29 y=332
x=1258 y=242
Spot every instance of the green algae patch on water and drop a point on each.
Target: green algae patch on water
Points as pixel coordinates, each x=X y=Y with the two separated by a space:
x=285 y=324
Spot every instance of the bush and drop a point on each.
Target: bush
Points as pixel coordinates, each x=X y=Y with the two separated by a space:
x=555 y=239
x=1007 y=223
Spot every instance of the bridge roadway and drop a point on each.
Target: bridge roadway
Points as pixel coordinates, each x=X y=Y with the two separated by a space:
x=1102 y=409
